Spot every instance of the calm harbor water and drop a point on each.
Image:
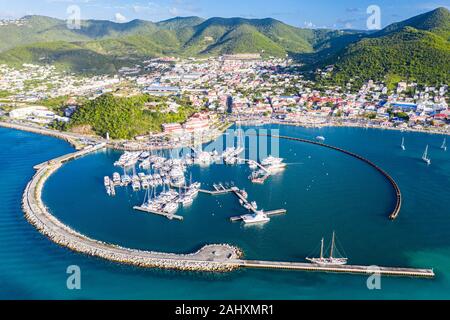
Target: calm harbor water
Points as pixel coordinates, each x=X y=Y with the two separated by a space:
x=322 y=190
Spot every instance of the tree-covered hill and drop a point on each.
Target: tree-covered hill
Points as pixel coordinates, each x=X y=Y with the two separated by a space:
x=124 y=118
x=417 y=49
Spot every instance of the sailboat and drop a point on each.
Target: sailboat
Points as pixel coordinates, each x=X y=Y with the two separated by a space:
x=425 y=156
x=444 y=145
x=331 y=260
x=403 y=144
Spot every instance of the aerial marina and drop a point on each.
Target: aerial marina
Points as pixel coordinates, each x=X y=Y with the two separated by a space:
x=191 y=151
x=166 y=183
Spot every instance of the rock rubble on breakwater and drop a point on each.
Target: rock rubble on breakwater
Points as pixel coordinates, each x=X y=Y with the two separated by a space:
x=213 y=258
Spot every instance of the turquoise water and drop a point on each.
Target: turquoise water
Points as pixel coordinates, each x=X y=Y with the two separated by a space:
x=322 y=190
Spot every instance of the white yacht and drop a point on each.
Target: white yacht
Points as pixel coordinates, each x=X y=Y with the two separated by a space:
x=320 y=138
x=444 y=145
x=271 y=161
x=257 y=217
x=403 y=144
x=331 y=260
x=252 y=165
x=186 y=200
x=106 y=181
x=171 y=207
x=126 y=179
x=116 y=178
x=136 y=185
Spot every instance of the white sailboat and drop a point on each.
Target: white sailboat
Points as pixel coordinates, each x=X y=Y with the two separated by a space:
x=403 y=144
x=331 y=260
x=444 y=145
x=425 y=156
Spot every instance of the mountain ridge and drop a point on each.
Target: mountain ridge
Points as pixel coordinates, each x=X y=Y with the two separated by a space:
x=355 y=54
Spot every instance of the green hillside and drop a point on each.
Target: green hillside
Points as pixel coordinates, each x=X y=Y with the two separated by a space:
x=64 y=55
x=436 y=21
x=124 y=118
x=417 y=49
x=410 y=54
x=105 y=45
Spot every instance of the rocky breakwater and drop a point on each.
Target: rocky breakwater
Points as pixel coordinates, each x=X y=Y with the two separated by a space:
x=212 y=258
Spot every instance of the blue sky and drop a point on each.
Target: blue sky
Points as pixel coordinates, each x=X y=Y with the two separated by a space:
x=311 y=13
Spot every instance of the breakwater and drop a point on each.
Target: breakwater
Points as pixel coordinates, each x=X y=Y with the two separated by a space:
x=209 y=258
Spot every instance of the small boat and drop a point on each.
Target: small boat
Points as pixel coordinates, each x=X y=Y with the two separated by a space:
x=136 y=185
x=252 y=165
x=403 y=144
x=320 y=138
x=187 y=201
x=116 y=178
x=331 y=260
x=444 y=145
x=425 y=157
x=257 y=218
x=106 y=181
x=170 y=208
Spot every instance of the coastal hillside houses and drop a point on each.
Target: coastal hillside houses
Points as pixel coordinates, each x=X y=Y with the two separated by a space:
x=37 y=114
x=198 y=123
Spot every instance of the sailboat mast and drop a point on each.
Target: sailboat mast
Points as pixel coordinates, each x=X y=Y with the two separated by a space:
x=321 y=249
x=332 y=246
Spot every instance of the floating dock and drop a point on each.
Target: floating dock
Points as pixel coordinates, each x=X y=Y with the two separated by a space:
x=169 y=216
x=211 y=258
x=220 y=189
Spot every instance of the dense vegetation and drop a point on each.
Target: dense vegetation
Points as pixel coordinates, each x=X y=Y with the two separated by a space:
x=104 y=46
x=125 y=118
x=417 y=49
x=410 y=54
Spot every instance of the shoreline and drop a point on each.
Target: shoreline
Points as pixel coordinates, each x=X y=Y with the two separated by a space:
x=73 y=139
x=361 y=126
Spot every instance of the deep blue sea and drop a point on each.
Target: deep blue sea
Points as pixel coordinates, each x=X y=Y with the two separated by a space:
x=323 y=190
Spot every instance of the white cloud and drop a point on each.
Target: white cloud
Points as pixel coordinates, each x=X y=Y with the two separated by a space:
x=120 y=17
x=309 y=24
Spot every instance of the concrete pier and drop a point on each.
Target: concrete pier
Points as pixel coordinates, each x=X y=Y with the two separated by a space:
x=362 y=270
x=268 y=213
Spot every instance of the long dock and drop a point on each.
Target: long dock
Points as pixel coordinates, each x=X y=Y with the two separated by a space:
x=219 y=190
x=169 y=216
x=362 y=270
